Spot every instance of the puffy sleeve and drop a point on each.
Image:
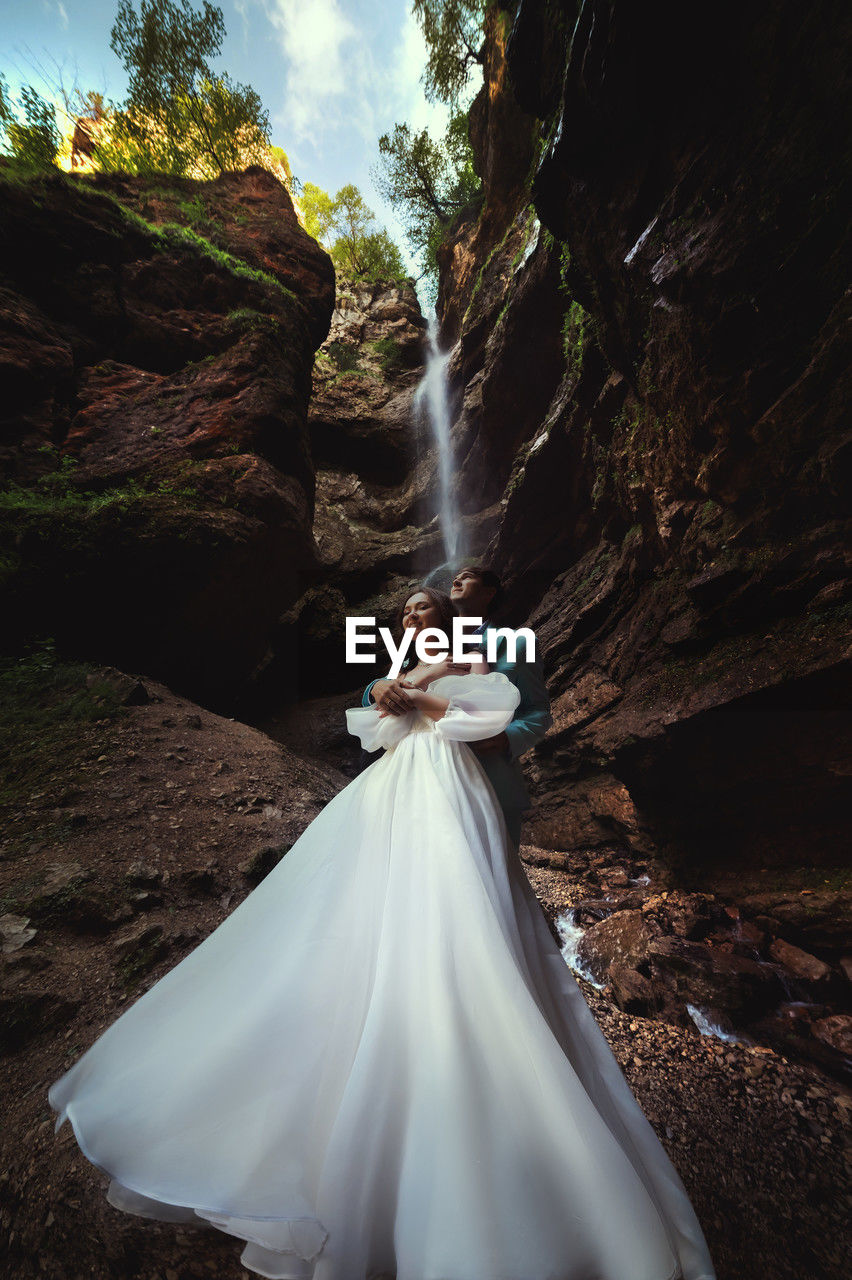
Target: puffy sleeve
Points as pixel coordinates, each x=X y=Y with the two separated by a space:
x=375 y=730
x=480 y=705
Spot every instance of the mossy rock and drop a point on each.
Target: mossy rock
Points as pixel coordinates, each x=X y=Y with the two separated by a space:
x=258 y=866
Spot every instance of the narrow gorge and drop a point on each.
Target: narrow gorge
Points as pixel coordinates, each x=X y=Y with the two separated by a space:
x=630 y=402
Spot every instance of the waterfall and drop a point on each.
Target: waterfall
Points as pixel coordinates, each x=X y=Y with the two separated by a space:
x=431 y=396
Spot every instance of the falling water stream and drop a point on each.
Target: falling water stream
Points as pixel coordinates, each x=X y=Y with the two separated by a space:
x=432 y=398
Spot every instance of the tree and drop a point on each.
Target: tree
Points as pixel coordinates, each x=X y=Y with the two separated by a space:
x=344 y=224
x=373 y=256
x=280 y=158
x=352 y=222
x=428 y=181
x=35 y=143
x=180 y=117
x=452 y=30
x=318 y=211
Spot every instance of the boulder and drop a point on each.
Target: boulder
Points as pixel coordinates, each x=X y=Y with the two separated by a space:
x=622 y=938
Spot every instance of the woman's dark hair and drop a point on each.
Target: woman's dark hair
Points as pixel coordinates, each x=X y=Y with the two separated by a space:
x=446 y=611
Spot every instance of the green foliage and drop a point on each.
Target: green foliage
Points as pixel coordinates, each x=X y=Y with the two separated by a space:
x=180 y=117
x=32 y=681
x=373 y=256
x=318 y=211
x=344 y=355
x=344 y=224
x=575 y=328
x=577 y=325
x=427 y=182
x=34 y=144
x=390 y=354
x=56 y=498
x=249 y=320
x=279 y=155
x=452 y=30
x=173 y=233
x=165 y=47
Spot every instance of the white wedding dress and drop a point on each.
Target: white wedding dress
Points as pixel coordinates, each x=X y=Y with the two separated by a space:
x=380 y=1064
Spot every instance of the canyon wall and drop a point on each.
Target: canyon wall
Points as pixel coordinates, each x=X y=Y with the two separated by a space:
x=649 y=316
x=157 y=345
x=649 y=319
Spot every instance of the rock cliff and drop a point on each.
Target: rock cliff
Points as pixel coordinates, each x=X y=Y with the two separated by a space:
x=649 y=315
x=160 y=484
x=370 y=446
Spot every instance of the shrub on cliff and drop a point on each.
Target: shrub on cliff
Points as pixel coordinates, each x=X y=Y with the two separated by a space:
x=429 y=182
x=35 y=142
x=344 y=224
x=180 y=117
x=452 y=30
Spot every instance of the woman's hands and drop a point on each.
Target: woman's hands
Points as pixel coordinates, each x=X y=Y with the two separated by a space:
x=397 y=697
x=476 y=663
x=415 y=699
x=430 y=704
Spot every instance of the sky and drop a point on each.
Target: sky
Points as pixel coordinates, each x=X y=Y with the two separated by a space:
x=333 y=74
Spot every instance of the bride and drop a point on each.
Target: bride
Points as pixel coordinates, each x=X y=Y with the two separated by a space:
x=379 y=1064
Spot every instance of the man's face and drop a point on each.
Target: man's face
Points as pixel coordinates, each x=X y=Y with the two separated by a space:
x=469 y=594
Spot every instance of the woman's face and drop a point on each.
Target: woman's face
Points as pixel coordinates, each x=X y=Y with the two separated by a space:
x=419 y=612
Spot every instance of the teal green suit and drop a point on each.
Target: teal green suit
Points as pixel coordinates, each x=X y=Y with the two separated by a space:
x=531 y=722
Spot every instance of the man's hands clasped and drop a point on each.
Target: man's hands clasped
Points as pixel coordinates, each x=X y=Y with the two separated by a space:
x=398 y=697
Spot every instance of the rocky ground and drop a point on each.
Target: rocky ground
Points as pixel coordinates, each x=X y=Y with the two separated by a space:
x=133 y=822
x=761 y=1142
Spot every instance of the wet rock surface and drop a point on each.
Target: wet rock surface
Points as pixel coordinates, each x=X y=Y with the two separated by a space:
x=688 y=958
x=649 y=324
x=781 y=1211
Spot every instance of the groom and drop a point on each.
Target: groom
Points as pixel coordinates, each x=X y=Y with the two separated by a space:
x=476 y=594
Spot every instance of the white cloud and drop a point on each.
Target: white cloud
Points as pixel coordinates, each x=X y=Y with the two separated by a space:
x=404 y=90
x=349 y=70
x=339 y=77
x=56 y=7
x=316 y=39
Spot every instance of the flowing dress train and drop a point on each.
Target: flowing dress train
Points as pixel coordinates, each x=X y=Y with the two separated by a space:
x=379 y=1063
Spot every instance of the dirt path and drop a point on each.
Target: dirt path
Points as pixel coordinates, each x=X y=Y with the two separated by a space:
x=138 y=834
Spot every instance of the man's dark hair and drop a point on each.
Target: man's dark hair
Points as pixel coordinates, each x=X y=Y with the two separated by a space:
x=489 y=578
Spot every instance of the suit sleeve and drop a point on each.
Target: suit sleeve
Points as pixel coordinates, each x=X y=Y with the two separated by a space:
x=533 y=718
x=366 y=700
